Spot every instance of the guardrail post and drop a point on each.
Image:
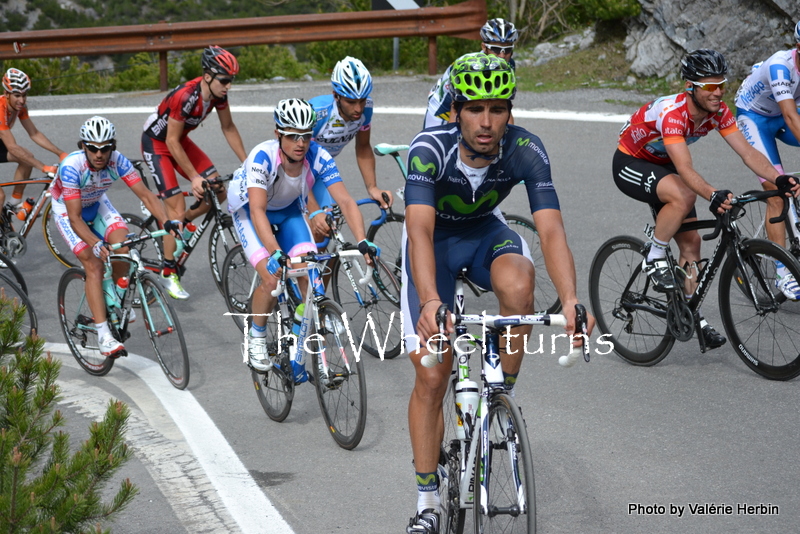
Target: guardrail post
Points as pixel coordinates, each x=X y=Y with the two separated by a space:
x=432 y=55
x=163 y=71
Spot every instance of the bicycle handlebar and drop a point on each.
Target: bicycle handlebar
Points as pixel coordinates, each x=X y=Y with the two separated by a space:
x=138 y=239
x=724 y=219
x=315 y=257
x=207 y=183
x=581 y=325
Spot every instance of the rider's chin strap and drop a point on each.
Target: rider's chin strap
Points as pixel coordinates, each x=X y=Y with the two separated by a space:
x=491 y=157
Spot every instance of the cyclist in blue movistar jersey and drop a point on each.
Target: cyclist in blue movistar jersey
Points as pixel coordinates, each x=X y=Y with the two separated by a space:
x=88 y=221
x=766 y=110
x=342 y=116
x=498 y=38
x=271 y=187
x=458 y=175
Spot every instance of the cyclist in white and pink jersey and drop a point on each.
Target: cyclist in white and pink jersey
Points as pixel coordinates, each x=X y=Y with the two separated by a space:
x=652 y=164
x=88 y=221
x=767 y=105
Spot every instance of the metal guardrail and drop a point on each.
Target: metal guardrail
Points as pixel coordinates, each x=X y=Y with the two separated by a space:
x=460 y=20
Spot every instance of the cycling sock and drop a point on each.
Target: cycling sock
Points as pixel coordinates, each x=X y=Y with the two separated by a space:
x=16 y=199
x=510 y=381
x=258 y=331
x=427 y=491
x=782 y=270
x=658 y=249
x=168 y=268
x=102 y=329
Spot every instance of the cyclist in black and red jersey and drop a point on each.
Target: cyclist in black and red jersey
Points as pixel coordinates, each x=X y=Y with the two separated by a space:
x=167 y=148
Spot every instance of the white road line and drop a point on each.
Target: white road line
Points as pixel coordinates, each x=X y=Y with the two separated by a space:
x=521 y=113
x=242 y=497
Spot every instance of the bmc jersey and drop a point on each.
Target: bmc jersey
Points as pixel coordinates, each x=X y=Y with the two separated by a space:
x=770 y=82
x=436 y=176
x=8 y=116
x=184 y=104
x=262 y=169
x=76 y=179
x=666 y=121
x=333 y=132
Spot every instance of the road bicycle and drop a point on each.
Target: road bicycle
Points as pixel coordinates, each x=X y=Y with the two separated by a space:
x=378 y=300
x=336 y=372
x=391 y=232
x=762 y=325
x=216 y=220
x=753 y=223
x=486 y=455
x=11 y=290
x=13 y=241
x=143 y=290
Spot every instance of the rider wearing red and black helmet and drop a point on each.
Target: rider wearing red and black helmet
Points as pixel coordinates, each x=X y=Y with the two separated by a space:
x=167 y=148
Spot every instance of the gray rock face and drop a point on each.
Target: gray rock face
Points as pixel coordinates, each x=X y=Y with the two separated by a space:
x=745 y=31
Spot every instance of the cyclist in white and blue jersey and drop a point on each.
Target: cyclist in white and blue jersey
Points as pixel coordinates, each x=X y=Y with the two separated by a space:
x=498 y=38
x=459 y=173
x=767 y=110
x=342 y=116
x=88 y=221
x=271 y=188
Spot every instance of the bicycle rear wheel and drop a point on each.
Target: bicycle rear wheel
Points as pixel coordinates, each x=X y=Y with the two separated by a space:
x=275 y=388
x=53 y=240
x=505 y=493
x=342 y=392
x=389 y=237
x=14 y=293
x=164 y=331
x=545 y=297
x=77 y=323
x=379 y=301
x=222 y=240
x=763 y=325
x=627 y=309
x=239 y=281
x=8 y=268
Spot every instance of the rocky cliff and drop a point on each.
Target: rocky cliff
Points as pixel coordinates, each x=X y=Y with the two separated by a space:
x=745 y=31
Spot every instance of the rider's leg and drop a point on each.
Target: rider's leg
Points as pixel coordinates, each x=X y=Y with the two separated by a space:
x=513 y=283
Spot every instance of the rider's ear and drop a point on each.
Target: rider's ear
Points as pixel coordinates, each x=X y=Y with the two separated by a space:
x=80 y=145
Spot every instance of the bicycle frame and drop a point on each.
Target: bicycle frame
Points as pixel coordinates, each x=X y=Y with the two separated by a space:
x=38 y=206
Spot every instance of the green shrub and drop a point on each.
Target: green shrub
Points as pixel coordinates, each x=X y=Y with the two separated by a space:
x=610 y=9
x=263 y=62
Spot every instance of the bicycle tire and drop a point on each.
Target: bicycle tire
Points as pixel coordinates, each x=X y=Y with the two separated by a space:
x=275 y=388
x=238 y=283
x=342 y=394
x=14 y=293
x=164 y=331
x=53 y=239
x=752 y=224
x=379 y=301
x=139 y=227
x=453 y=516
x=219 y=244
x=617 y=289
x=7 y=266
x=390 y=241
x=77 y=323
x=763 y=331
x=504 y=476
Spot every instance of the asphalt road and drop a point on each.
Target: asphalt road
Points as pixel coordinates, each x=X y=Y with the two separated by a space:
x=694 y=429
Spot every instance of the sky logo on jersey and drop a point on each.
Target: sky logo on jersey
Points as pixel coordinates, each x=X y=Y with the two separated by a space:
x=416 y=164
x=460 y=206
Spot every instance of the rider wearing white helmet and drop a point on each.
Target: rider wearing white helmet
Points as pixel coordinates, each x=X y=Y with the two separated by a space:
x=271 y=188
x=13 y=106
x=341 y=116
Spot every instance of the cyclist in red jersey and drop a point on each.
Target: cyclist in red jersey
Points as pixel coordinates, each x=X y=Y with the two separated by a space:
x=652 y=164
x=13 y=106
x=167 y=148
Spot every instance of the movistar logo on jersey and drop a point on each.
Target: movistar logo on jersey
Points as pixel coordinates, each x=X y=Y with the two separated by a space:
x=504 y=243
x=461 y=207
x=416 y=164
x=523 y=142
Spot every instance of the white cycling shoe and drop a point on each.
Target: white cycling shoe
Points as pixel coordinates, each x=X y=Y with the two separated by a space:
x=110 y=347
x=257 y=354
x=788 y=286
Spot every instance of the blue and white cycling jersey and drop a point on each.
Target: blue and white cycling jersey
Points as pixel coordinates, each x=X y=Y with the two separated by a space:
x=770 y=82
x=262 y=169
x=436 y=176
x=333 y=132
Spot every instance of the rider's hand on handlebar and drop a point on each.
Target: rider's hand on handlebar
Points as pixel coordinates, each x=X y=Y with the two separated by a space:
x=174 y=228
x=197 y=187
x=276 y=262
x=101 y=250
x=50 y=170
x=319 y=224
x=383 y=198
x=368 y=249
x=788 y=182
x=569 y=329
x=720 y=201
x=427 y=326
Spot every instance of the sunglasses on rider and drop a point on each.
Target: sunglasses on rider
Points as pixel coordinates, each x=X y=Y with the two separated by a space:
x=225 y=81
x=105 y=149
x=297 y=137
x=499 y=50
x=710 y=87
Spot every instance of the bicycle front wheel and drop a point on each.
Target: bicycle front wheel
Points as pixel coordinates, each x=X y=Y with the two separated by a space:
x=451 y=458
x=275 y=388
x=762 y=324
x=223 y=239
x=389 y=237
x=164 y=331
x=239 y=281
x=378 y=301
x=52 y=238
x=505 y=493
x=627 y=309
x=342 y=391
x=77 y=323
x=7 y=267
x=545 y=297
x=14 y=293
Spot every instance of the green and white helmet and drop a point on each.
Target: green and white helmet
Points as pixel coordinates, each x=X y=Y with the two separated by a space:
x=482 y=76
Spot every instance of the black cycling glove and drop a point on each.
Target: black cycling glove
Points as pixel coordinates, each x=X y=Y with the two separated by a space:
x=717 y=198
x=785 y=181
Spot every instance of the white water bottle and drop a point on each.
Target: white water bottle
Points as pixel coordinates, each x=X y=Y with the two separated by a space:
x=467 y=398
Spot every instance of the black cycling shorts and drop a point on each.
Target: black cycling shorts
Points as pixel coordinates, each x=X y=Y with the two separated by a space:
x=3 y=153
x=638 y=178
